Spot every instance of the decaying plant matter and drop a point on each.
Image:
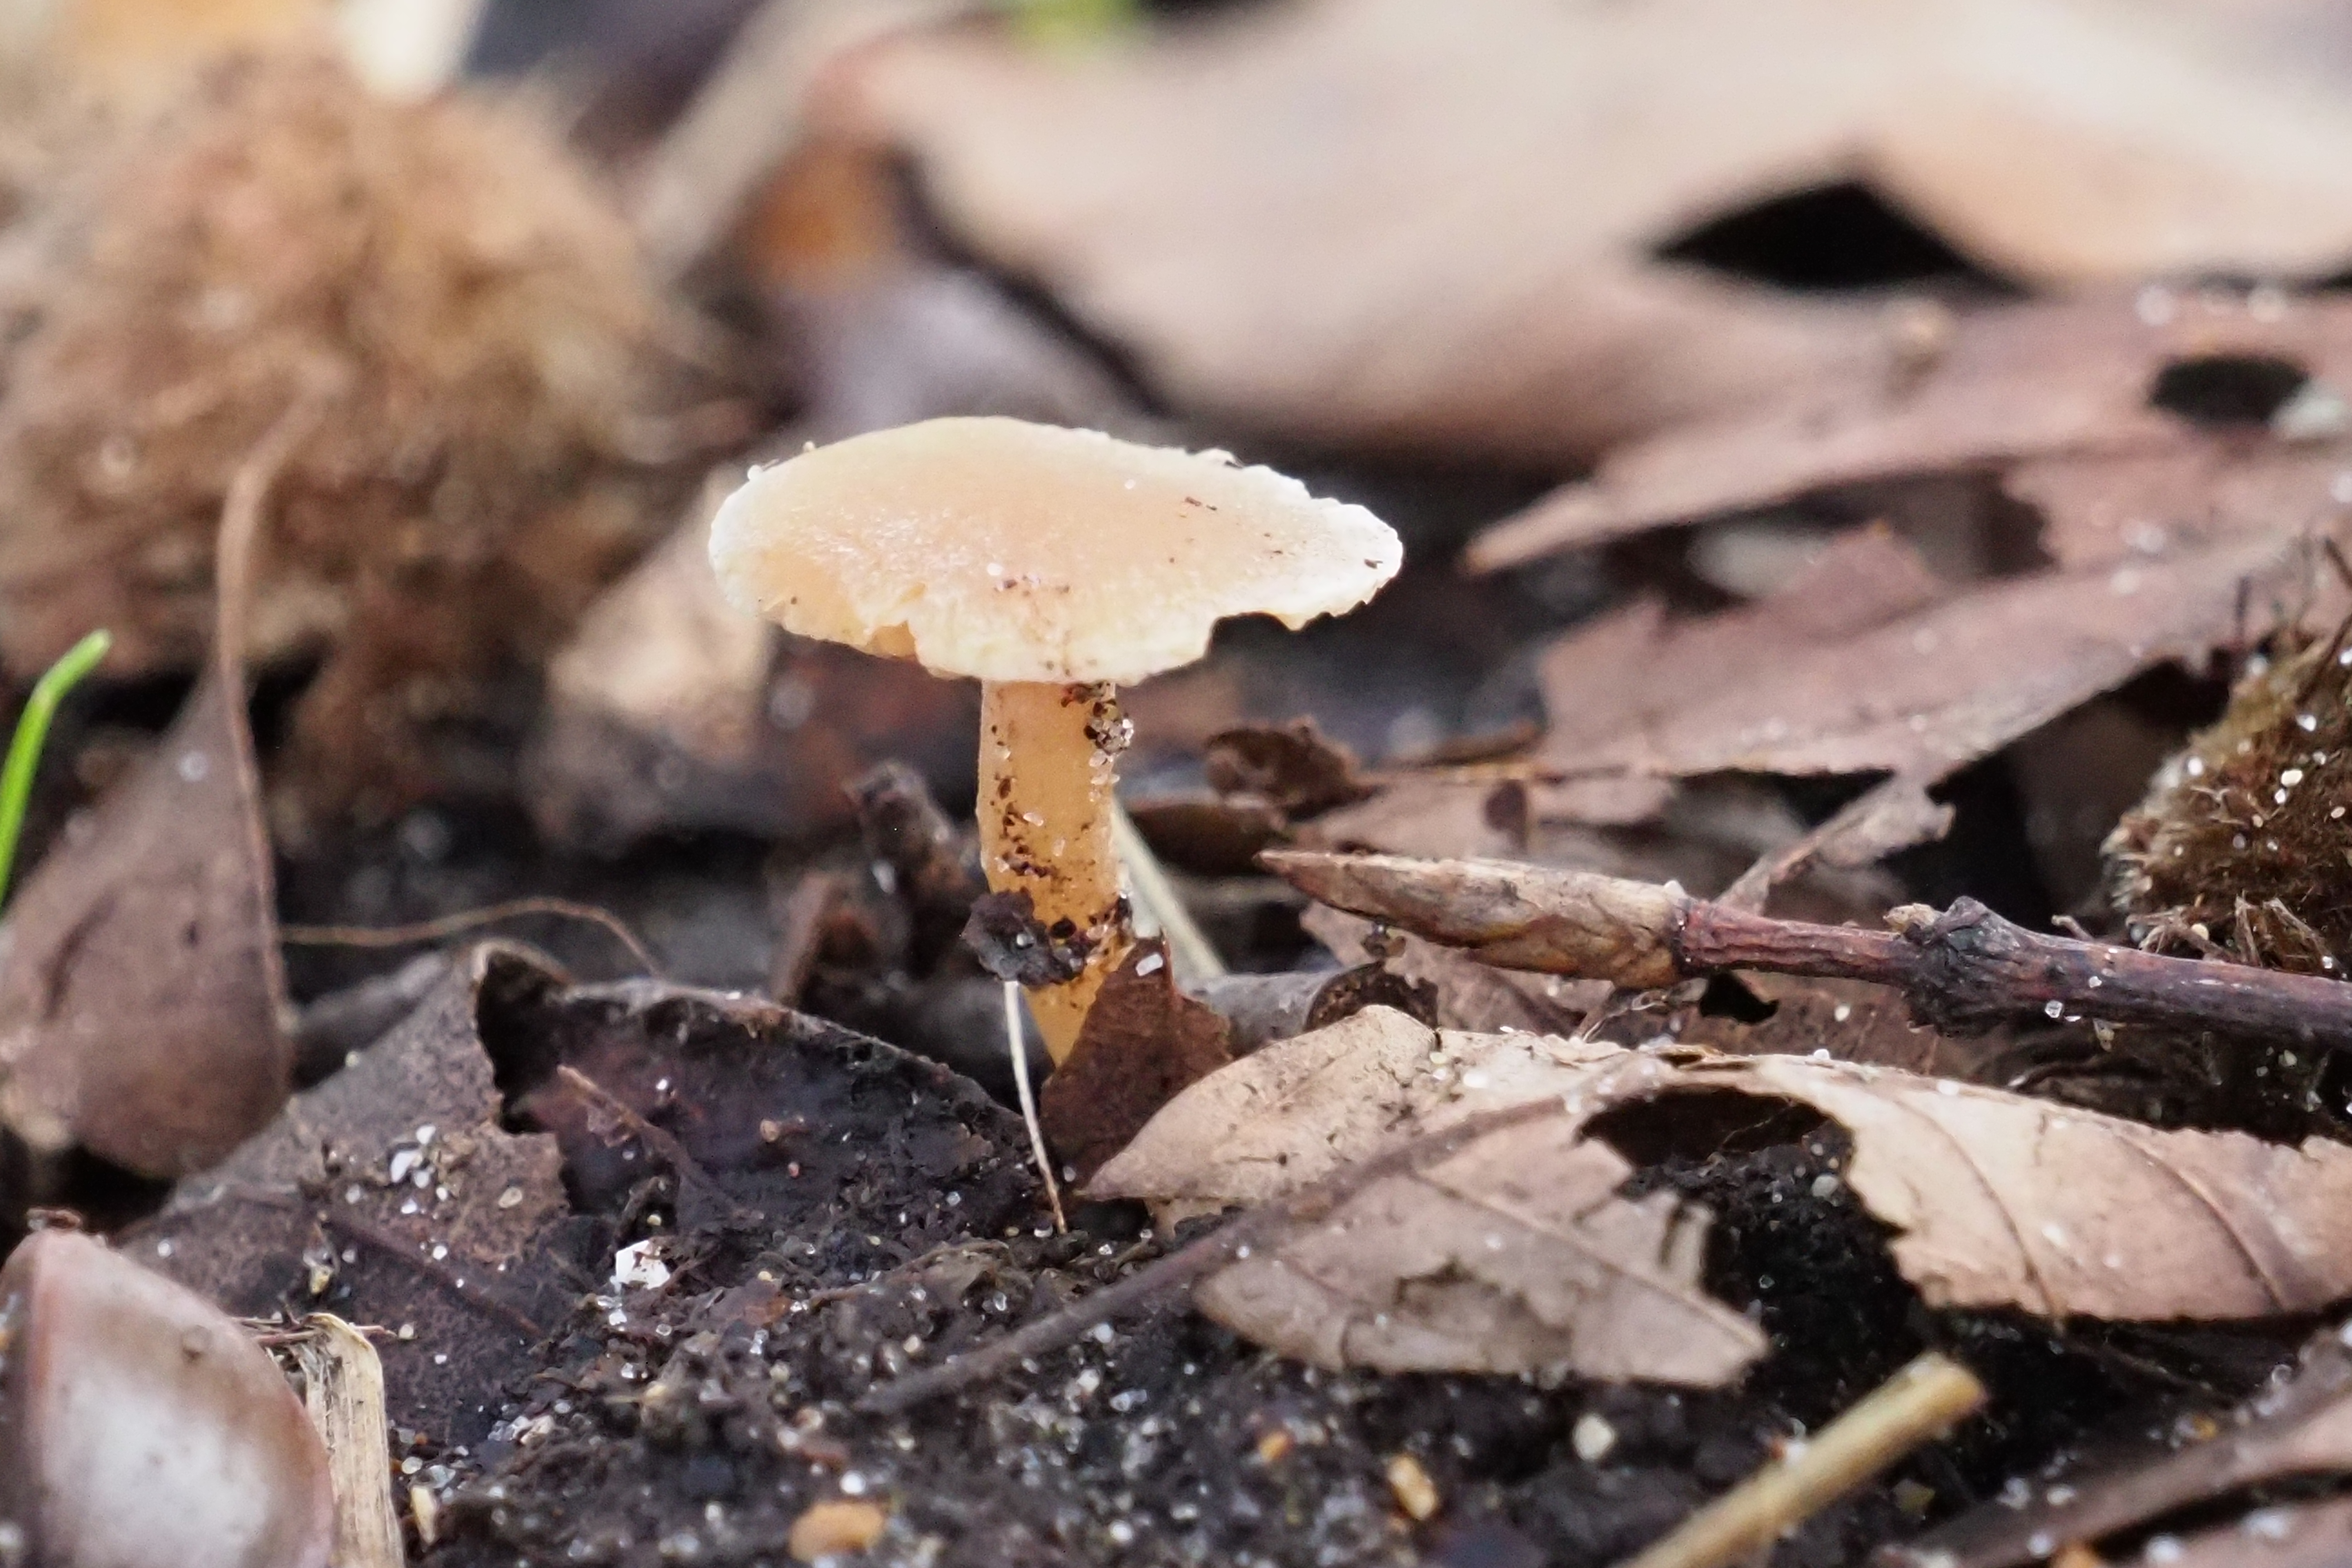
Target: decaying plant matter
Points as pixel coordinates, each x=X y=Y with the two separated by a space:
x=510 y=392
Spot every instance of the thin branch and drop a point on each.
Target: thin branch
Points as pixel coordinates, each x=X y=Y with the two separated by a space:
x=1962 y=971
x=469 y=919
x=1916 y=1406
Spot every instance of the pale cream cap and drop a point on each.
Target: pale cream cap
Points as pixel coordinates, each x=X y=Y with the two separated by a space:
x=1016 y=551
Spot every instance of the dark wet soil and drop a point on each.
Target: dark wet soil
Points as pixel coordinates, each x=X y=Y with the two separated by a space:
x=696 y=1422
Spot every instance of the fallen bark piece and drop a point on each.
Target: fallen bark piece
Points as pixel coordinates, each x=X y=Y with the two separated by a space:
x=140 y=1427
x=2303 y=1429
x=1965 y=970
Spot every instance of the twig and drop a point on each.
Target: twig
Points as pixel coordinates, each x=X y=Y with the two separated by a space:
x=1916 y=1406
x=1962 y=971
x=1013 y=1043
x=343 y=1393
x=467 y=920
x=1195 y=958
x=1194 y=1261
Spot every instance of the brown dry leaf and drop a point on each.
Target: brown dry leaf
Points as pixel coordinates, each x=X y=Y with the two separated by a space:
x=1470 y=995
x=1143 y=1042
x=1853 y=1020
x=1344 y=220
x=342 y=1199
x=508 y=441
x=1635 y=666
x=1513 y=1255
x=2303 y=1429
x=2059 y=397
x=142 y=1001
x=1994 y=1200
x=1924 y=694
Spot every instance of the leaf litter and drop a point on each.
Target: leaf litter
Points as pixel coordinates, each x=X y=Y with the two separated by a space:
x=736 y=1229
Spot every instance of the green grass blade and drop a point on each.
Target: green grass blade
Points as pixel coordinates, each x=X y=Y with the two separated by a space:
x=33 y=733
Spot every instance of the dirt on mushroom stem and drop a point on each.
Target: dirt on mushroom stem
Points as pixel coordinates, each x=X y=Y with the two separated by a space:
x=1048 y=761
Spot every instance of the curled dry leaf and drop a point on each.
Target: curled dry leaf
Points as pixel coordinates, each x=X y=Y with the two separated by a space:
x=1514 y=1256
x=140 y=1427
x=394 y=1193
x=2303 y=1429
x=1993 y=1200
x=2140 y=424
x=1136 y=183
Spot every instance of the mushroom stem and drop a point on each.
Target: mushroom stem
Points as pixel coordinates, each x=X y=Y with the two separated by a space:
x=1048 y=758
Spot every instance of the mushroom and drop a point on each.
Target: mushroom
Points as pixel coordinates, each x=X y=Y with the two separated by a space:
x=1053 y=565
x=140 y=1427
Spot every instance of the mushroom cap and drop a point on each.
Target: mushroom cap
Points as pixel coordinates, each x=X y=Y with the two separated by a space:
x=1015 y=552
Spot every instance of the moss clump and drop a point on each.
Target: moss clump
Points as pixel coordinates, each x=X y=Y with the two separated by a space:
x=2243 y=847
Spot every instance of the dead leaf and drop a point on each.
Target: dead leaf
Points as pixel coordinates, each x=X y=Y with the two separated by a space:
x=142 y=1003
x=341 y=1202
x=1293 y=766
x=2040 y=393
x=1894 y=815
x=1636 y=666
x=1853 y=1020
x=2303 y=1429
x=1992 y=1199
x=1282 y=291
x=1514 y=1256
x=1926 y=693
x=1142 y=1042
x=1470 y=994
